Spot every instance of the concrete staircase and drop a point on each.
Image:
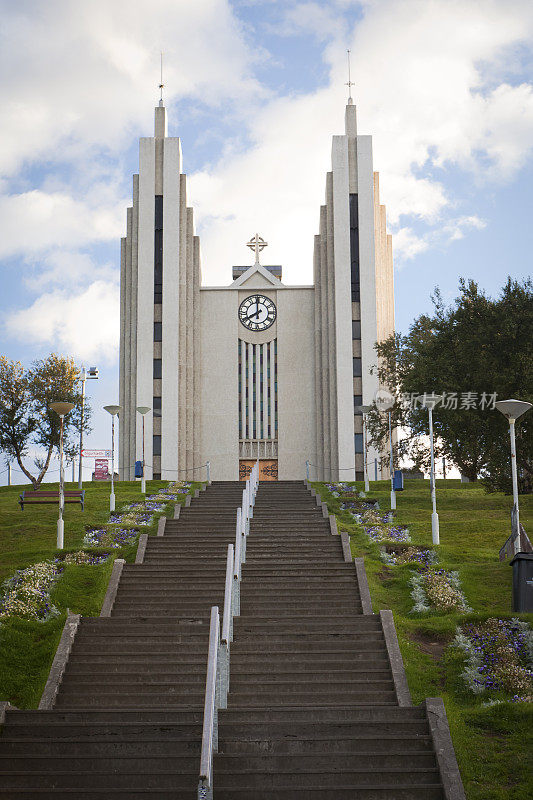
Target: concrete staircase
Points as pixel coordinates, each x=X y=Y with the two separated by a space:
x=127 y=719
x=313 y=709
x=318 y=704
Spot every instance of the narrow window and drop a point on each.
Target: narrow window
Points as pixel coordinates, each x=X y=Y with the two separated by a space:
x=157 y=368
x=357 y=368
x=157 y=446
x=157 y=406
x=158 y=331
x=358 y=442
x=356 y=328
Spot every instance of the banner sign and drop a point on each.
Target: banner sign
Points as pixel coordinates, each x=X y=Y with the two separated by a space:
x=96 y=453
x=101 y=469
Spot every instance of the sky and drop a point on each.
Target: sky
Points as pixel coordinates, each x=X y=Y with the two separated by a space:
x=255 y=89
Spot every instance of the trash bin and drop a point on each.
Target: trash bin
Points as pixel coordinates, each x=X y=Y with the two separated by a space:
x=522 y=565
x=138 y=469
x=397 y=480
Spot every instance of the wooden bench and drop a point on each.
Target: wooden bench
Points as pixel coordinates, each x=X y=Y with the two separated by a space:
x=51 y=498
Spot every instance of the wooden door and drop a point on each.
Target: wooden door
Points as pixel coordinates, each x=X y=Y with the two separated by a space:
x=268 y=469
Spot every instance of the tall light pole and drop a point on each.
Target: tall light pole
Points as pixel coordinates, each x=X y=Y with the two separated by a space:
x=364 y=411
x=429 y=401
x=512 y=410
x=113 y=410
x=385 y=402
x=61 y=408
x=142 y=411
x=90 y=374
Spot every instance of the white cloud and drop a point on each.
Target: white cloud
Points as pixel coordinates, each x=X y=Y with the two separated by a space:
x=81 y=75
x=84 y=324
x=36 y=221
x=425 y=75
x=80 y=86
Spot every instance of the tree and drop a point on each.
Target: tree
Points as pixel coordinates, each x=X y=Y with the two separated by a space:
x=26 y=419
x=472 y=352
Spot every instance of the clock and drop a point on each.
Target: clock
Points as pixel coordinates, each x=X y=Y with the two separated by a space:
x=257 y=312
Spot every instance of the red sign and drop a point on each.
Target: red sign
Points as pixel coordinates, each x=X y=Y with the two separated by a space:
x=101 y=469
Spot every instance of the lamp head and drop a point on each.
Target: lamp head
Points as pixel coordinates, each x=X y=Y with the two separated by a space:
x=92 y=372
x=61 y=408
x=429 y=400
x=512 y=409
x=112 y=410
x=143 y=409
x=362 y=409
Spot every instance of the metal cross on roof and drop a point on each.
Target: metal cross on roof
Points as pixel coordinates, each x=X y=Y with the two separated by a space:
x=257 y=244
x=350 y=83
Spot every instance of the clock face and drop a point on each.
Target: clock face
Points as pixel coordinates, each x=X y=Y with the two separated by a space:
x=257 y=312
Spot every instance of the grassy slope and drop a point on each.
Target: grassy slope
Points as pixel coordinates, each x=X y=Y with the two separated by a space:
x=27 y=648
x=493 y=745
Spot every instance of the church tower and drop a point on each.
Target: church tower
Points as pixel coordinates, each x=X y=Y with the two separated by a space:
x=159 y=288
x=354 y=303
x=255 y=369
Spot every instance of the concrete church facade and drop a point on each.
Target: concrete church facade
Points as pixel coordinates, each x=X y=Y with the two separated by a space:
x=255 y=369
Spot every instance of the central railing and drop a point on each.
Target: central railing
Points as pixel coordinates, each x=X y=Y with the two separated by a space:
x=218 y=662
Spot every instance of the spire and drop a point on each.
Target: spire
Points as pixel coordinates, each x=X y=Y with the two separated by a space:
x=160 y=127
x=350 y=117
x=350 y=83
x=161 y=84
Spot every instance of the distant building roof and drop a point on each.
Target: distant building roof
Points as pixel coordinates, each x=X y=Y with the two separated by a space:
x=275 y=270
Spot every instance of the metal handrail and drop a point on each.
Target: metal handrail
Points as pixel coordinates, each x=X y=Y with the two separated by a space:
x=210 y=727
x=227 y=619
x=218 y=663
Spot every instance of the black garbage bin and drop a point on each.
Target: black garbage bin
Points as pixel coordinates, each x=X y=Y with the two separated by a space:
x=522 y=565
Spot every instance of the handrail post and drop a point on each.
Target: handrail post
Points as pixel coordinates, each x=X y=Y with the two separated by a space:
x=208 y=470
x=210 y=725
x=227 y=620
x=307 y=469
x=237 y=567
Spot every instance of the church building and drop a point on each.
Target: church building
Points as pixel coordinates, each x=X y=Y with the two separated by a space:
x=257 y=368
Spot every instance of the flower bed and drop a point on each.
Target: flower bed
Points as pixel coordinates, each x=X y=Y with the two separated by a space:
x=499 y=657
x=437 y=590
x=421 y=556
x=110 y=537
x=82 y=557
x=27 y=593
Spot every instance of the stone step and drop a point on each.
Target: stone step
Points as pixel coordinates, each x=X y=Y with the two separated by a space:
x=129 y=780
x=143 y=766
x=312 y=698
x=340 y=763
x=324 y=778
x=302 y=678
x=126 y=717
x=287 y=662
x=104 y=745
x=112 y=700
x=126 y=666
x=342 y=791
x=320 y=743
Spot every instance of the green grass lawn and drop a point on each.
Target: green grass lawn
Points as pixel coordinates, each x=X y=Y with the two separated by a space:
x=493 y=744
x=27 y=647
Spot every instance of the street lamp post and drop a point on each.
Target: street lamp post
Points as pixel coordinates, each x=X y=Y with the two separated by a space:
x=364 y=411
x=61 y=408
x=113 y=410
x=142 y=411
x=90 y=374
x=429 y=401
x=391 y=466
x=512 y=410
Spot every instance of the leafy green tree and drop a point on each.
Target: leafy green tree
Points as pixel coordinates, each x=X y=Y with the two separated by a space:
x=472 y=352
x=26 y=419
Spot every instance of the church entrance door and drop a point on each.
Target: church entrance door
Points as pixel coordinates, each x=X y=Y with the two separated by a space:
x=268 y=469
